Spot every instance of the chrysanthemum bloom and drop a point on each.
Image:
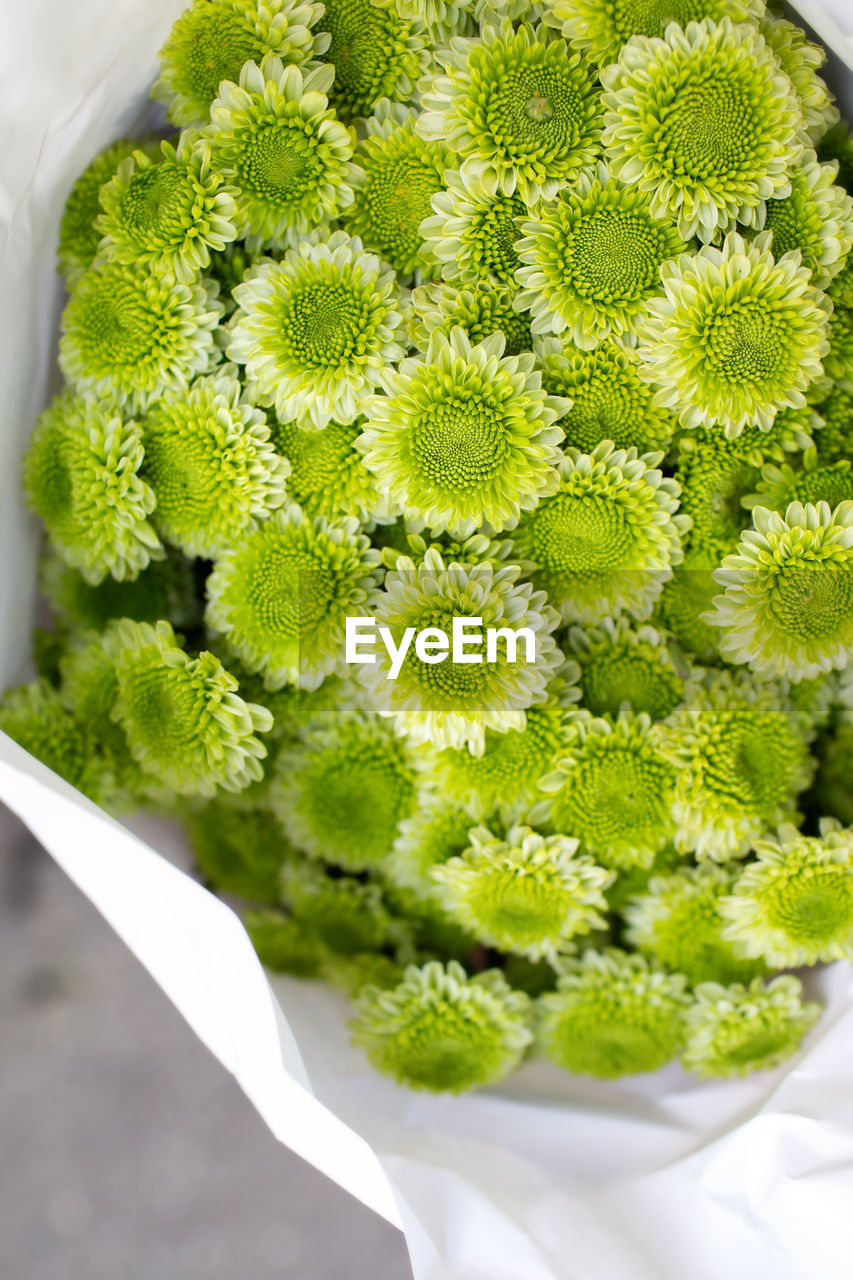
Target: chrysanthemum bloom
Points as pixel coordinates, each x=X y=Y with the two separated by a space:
x=237 y=850
x=345 y=914
x=342 y=791
x=473 y=230
x=376 y=53
x=833 y=436
x=677 y=923
x=451 y=704
x=519 y=107
x=438 y=831
x=327 y=473
x=131 y=335
x=78 y=236
x=601 y=27
x=813 y=482
x=704 y=121
x=787 y=602
x=816 y=218
x=166 y=589
x=592 y=258
x=464 y=435
x=606 y=542
x=794 y=905
x=211 y=464
x=685 y=601
x=211 y=41
x=394 y=175
x=741 y=760
x=480 y=310
x=184 y=720
x=281 y=593
x=801 y=60
x=443 y=1031
x=529 y=894
x=623 y=663
x=316 y=329
x=610 y=399
x=735 y=1030
x=35 y=717
x=81 y=475
x=285 y=945
x=612 y=1015
x=612 y=789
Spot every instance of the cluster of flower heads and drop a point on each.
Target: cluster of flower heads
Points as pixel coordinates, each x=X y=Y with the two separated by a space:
x=439 y=309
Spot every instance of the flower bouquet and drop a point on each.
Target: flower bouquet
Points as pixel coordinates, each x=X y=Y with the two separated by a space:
x=448 y=527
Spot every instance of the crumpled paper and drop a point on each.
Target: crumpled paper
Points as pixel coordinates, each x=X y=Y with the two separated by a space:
x=545 y=1178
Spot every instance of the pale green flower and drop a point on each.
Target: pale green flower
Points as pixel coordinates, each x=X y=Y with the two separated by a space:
x=620 y=662
x=601 y=27
x=346 y=915
x=812 y=482
x=473 y=230
x=327 y=473
x=480 y=310
x=735 y=1030
x=237 y=850
x=816 y=218
x=376 y=53
x=438 y=831
x=35 y=717
x=165 y=589
x=801 y=60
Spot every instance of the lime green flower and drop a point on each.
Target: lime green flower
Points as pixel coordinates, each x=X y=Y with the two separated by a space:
x=438 y=831
x=441 y=1030
x=519 y=107
x=787 y=602
x=464 y=435
x=316 y=329
x=741 y=760
x=211 y=464
x=612 y=789
x=612 y=1015
x=184 y=721
x=166 y=589
x=376 y=53
x=81 y=475
x=396 y=175
x=678 y=923
x=281 y=593
x=834 y=435
x=327 y=473
x=284 y=945
x=816 y=218
x=342 y=792
x=813 y=482
x=705 y=121
x=346 y=915
x=801 y=60
x=601 y=27
x=274 y=137
x=606 y=542
x=794 y=905
x=472 y=232
x=451 y=704
x=738 y=336
x=528 y=894
x=481 y=311
x=685 y=601
x=623 y=663
x=237 y=850
x=735 y=1030
x=592 y=259
x=130 y=335
x=167 y=212
x=35 y=717
x=211 y=41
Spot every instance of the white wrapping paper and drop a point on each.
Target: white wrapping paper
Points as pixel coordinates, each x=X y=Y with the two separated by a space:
x=546 y=1178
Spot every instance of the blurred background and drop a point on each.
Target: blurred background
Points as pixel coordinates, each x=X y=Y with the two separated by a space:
x=128 y=1153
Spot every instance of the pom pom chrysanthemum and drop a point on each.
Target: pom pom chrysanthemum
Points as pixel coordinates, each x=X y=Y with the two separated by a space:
x=473 y=231
x=620 y=663
x=734 y=1030
x=376 y=53
x=480 y=311
x=327 y=473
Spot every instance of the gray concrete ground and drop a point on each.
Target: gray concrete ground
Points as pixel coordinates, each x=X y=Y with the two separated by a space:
x=126 y=1151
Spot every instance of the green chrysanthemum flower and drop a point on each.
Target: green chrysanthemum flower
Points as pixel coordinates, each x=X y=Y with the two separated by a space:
x=443 y=1031
x=529 y=894
x=801 y=60
x=316 y=329
x=704 y=121
x=622 y=663
x=78 y=236
x=519 y=107
x=375 y=51
x=395 y=175
x=834 y=435
x=592 y=259
x=605 y=543
x=741 y=760
x=787 y=602
x=612 y=1015
x=473 y=231
x=346 y=915
x=342 y=791
x=133 y=336
x=36 y=718
x=327 y=473
x=281 y=595
x=480 y=311
x=464 y=435
x=286 y=946
x=167 y=212
x=794 y=906
x=211 y=464
x=211 y=41
x=813 y=482
x=738 y=336
x=612 y=789
x=685 y=601
x=735 y=1030
x=601 y=27
x=184 y=721
x=166 y=589
x=816 y=218
x=274 y=137
x=447 y=703
x=81 y=475
x=238 y=850
x=677 y=923
x=438 y=831
x=610 y=399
